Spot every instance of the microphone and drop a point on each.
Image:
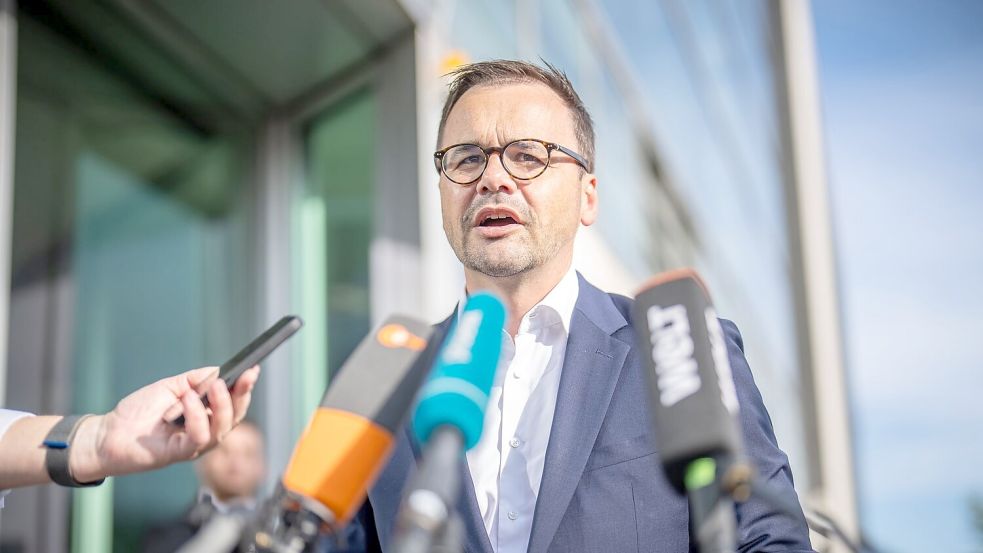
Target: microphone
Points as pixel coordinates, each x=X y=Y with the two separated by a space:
x=694 y=402
x=448 y=419
x=348 y=439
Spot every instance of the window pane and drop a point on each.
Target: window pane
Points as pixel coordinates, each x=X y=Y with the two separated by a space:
x=335 y=219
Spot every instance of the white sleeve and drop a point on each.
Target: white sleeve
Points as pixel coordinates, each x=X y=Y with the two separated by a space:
x=7 y=417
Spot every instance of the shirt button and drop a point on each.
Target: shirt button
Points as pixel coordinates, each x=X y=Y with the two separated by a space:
x=515 y=375
x=514 y=442
x=513 y=515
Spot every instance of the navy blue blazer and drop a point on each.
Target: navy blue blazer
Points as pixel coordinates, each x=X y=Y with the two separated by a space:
x=602 y=489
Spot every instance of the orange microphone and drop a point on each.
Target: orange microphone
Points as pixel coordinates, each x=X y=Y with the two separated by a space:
x=349 y=438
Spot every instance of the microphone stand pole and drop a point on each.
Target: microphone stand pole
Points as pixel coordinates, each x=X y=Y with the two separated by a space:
x=426 y=517
x=711 y=510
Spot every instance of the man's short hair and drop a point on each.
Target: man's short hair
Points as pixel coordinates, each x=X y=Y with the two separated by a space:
x=505 y=72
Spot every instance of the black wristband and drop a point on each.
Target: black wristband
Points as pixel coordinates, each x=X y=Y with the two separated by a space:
x=59 y=442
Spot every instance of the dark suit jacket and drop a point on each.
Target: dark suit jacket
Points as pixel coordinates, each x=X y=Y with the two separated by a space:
x=602 y=489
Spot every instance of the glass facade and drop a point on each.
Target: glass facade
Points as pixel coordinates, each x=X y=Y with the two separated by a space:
x=131 y=217
x=140 y=206
x=709 y=79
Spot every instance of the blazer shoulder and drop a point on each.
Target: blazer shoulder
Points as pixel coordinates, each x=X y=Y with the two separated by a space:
x=608 y=312
x=622 y=304
x=732 y=333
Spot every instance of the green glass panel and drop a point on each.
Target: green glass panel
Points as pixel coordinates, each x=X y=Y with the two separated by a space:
x=335 y=220
x=139 y=215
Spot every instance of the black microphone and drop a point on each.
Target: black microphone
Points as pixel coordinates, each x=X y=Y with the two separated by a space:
x=694 y=402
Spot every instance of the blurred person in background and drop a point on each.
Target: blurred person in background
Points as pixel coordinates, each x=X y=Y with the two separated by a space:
x=135 y=436
x=230 y=476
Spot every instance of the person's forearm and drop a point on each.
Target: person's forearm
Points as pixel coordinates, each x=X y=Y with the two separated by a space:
x=134 y=436
x=22 y=455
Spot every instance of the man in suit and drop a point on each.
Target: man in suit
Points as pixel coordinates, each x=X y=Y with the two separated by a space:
x=567 y=461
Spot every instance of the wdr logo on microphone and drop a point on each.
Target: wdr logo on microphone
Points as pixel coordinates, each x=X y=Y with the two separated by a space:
x=677 y=375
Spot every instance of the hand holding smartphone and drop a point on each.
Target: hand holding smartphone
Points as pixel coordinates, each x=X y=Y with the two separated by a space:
x=256 y=351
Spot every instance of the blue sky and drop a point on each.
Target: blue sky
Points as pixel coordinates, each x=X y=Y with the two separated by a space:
x=903 y=106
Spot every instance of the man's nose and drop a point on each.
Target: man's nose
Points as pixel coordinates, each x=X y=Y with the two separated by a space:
x=496 y=178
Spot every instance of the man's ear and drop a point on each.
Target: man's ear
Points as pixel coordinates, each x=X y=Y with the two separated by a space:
x=588 y=203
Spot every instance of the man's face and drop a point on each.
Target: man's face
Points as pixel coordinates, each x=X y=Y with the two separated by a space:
x=235 y=468
x=501 y=226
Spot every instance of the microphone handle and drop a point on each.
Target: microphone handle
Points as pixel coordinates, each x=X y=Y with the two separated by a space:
x=447 y=540
x=220 y=535
x=715 y=528
x=451 y=540
x=711 y=510
x=431 y=500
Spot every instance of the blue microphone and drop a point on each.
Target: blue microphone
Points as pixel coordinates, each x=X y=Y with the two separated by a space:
x=456 y=393
x=448 y=420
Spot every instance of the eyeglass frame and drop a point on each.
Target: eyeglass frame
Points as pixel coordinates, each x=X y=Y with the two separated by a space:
x=438 y=158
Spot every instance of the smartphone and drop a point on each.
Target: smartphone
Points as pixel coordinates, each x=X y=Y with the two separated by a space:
x=256 y=351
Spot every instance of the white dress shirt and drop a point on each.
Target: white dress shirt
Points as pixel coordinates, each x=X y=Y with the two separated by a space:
x=7 y=418
x=507 y=463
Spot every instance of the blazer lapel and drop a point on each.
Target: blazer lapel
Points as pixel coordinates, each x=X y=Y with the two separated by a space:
x=591 y=369
x=475 y=538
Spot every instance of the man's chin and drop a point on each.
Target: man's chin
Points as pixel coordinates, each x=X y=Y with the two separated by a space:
x=498 y=258
x=500 y=266
x=499 y=271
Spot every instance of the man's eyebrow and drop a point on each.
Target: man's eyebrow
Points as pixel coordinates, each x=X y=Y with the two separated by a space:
x=483 y=144
x=461 y=141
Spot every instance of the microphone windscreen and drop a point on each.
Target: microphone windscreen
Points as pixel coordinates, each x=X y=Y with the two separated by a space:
x=693 y=400
x=456 y=393
x=351 y=434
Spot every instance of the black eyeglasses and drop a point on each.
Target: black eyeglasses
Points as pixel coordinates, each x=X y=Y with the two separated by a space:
x=524 y=159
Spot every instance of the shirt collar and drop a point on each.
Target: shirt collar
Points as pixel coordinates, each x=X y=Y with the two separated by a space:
x=556 y=307
x=242 y=504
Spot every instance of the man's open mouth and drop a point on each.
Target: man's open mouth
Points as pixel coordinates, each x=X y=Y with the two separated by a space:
x=497 y=216
x=497 y=221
